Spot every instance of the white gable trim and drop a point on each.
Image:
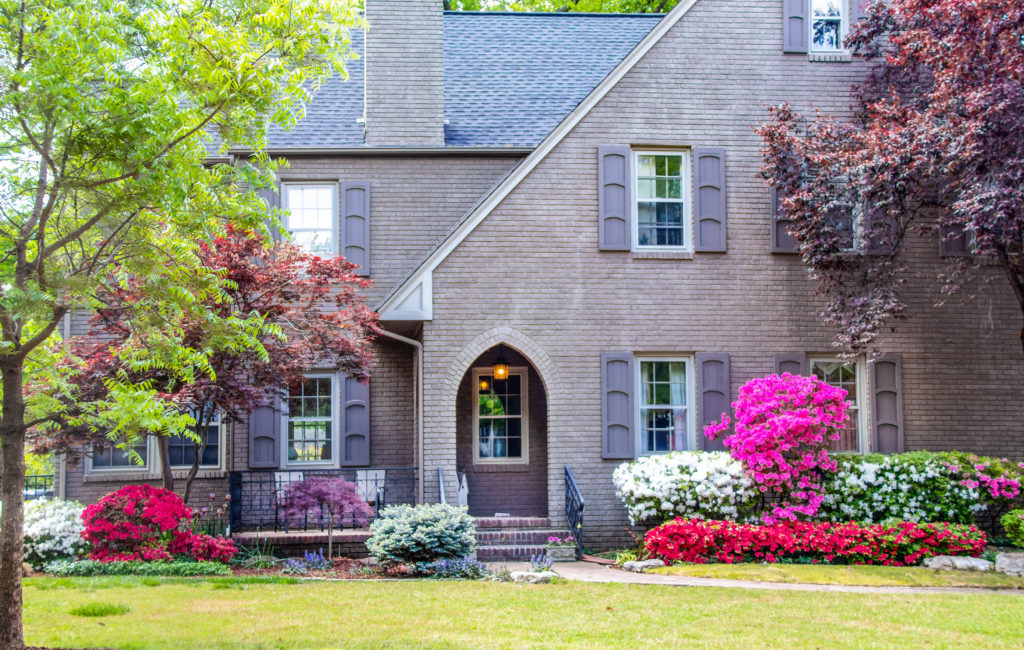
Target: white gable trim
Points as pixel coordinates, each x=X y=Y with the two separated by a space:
x=420 y=277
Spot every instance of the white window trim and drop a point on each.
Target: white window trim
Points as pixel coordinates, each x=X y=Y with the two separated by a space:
x=334 y=208
x=862 y=404
x=687 y=200
x=844 y=19
x=524 y=417
x=335 y=415
x=691 y=399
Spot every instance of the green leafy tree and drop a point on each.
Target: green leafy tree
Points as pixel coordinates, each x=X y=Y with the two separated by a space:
x=109 y=110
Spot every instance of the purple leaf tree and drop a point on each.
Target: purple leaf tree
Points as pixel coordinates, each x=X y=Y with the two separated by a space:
x=317 y=495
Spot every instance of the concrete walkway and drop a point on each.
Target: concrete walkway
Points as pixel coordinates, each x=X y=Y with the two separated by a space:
x=590 y=572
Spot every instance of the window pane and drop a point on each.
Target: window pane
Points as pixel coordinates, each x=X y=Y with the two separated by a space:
x=825 y=8
x=826 y=35
x=645 y=188
x=645 y=165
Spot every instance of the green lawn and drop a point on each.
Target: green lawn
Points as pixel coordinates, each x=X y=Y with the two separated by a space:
x=882 y=576
x=233 y=613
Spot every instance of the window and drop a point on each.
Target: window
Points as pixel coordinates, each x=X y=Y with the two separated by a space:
x=662 y=199
x=113 y=457
x=310 y=421
x=847 y=226
x=182 y=451
x=827 y=25
x=310 y=217
x=500 y=430
x=665 y=395
x=845 y=375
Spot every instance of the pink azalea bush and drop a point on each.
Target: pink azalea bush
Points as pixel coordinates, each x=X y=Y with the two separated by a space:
x=783 y=425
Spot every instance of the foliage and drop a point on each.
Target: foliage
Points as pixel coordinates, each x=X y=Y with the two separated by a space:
x=38 y=464
x=100 y=609
x=316 y=496
x=1013 y=524
x=540 y=563
x=783 y=426
x=999 y=480
x=311 y=561
x=562 y=541
x=182 y=568
x=421 y=534
x=461 y=569
x=694 y=484
x=936 y=148
x=625 y=556
x=258 y=556
x=141 y=522
x=895 y=544
x=53 y=530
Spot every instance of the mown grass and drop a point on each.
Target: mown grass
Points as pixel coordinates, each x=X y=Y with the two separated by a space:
x=876 y=576
x=217 y=613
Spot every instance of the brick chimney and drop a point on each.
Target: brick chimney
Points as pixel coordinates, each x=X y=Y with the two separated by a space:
x=404 y=66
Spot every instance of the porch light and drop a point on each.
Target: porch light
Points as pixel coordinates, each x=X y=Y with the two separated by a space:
x=501 y=368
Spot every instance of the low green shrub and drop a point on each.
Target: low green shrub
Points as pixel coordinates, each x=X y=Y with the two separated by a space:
x=136 y=568
x=1013 y=524
x=421 y=535
x=100 y=609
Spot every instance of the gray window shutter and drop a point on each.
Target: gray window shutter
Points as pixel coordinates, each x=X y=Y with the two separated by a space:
x=782 y=241
x=795 y=14
x=615 y=213
x=272 y=197
x=881 y=229
x=710 y=204
x=887 y=404
x=617 y=435
x=953 y=242
x=265 y=438
x=713 y=390
x=862 y=9
x=355 y=421
x=795 y=363
x=355 y=224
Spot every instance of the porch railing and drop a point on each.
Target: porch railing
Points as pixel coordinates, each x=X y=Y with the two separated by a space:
x=257 y=496
x=38 y=486
x=574 y=511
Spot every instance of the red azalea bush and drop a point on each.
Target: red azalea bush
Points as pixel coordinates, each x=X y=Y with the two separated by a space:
x=142 y=522
x=899 y=544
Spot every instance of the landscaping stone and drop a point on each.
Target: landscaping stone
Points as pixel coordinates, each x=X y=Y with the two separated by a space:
x=561 y=553
x=533 y=577
x=1010 y=563
x=640 y=566
x=957 y=563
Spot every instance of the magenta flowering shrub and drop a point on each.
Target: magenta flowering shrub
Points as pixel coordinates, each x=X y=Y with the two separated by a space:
x=783 y=425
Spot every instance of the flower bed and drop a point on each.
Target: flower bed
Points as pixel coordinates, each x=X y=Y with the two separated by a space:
x=53 y=531
x=899 y=544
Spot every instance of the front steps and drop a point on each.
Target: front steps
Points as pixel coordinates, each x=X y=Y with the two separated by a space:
x=513 y=539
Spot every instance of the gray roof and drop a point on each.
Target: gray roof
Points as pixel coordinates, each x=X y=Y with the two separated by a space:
x=510 y=78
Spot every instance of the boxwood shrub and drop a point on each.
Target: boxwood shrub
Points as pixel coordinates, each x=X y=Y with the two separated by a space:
x=421 y=535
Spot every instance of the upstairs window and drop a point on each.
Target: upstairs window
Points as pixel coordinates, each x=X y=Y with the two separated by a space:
x=827 y=25
x=310 y=217
x=662 y=200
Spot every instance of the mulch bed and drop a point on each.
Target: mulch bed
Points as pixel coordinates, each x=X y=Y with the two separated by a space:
x=342 y=567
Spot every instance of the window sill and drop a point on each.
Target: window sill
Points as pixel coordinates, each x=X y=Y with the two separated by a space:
x=662 y=255
x=829 y=57
x=208 y=472
x=119 y=477
x=500 y=468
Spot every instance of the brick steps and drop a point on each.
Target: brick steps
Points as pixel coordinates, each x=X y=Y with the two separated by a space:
x=518 y=553
x=513 y=539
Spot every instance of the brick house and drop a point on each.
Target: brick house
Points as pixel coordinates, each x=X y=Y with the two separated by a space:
x=577 y=263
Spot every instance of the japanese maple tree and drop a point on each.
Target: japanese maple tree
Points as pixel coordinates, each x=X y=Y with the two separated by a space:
x=325 y=497
x=311 y=314
x=937 y=145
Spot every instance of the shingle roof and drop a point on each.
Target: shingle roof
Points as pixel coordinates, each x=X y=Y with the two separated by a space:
x=510 y=78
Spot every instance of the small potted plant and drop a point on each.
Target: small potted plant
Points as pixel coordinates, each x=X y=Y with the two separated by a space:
x=561 y=549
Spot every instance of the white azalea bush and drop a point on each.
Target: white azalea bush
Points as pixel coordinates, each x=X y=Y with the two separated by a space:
x=691 y=484
x=916 y=487
x=53 y=530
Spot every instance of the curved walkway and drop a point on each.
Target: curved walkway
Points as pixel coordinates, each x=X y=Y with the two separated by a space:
x=589 y=572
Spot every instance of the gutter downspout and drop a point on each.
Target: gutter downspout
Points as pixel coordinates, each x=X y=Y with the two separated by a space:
x=419 y=406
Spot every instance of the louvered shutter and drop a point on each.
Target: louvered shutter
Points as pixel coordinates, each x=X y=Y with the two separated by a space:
x=887 y=404
x=355 y=421
x=617 y=435
x=355 y=224
x=953 y=242
x=795 y=363
x=710 y=203
x=863 y=8
x=795 y=14
x=782 y=241
x=265 y=438
x=713 y=390
x=615 y=180
x=272 y=198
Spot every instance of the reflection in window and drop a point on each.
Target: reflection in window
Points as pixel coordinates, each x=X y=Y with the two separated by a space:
x=826 y=25
x=310 y=423
x=500 y=417
x=104 y=457
x=663 y=406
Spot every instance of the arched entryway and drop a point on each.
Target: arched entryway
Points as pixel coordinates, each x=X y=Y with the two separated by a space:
x=502 y=436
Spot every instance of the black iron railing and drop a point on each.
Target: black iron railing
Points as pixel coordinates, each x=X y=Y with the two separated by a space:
x=257 y=496
x=574 y=511
x=38 y=486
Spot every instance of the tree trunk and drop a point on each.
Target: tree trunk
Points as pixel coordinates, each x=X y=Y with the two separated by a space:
x=12 y=516
x=163 y=444
x=202 y=427
x=330 y=535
